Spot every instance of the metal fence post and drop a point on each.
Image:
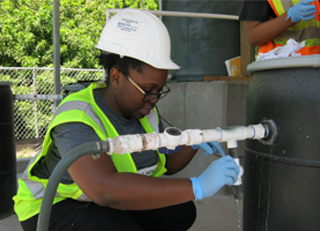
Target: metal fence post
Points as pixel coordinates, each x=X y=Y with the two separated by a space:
x=34 y=83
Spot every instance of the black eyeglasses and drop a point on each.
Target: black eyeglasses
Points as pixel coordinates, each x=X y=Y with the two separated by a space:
x=148 y=96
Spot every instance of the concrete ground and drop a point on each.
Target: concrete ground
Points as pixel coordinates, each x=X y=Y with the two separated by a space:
x=222 y=217
x=10 y=223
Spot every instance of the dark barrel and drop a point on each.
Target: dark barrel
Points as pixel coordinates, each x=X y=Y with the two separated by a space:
x=8 y=180
x=282 y=177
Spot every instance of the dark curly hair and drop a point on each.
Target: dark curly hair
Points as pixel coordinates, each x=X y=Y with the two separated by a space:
x=124 y=65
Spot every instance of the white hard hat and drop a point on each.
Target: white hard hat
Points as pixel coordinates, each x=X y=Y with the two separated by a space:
x=140 y=35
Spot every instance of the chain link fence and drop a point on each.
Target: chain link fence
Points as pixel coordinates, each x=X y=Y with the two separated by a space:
x=33 y=89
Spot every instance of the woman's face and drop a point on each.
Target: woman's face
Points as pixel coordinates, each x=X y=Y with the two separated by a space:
x=129 y=100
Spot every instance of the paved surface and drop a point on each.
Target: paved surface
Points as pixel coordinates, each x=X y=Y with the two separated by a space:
x=223 y=216
x=10 y=223
x=218 y=215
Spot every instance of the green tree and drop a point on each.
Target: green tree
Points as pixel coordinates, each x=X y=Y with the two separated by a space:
x=26 y=40
x=26 y=30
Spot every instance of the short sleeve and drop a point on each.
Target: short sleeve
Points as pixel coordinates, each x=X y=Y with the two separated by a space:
x=256 y=10
x=68 y=136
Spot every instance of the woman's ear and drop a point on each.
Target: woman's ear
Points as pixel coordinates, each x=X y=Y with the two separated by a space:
x=115 y=76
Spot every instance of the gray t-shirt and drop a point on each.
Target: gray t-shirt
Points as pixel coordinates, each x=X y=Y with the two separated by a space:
x=68 y=136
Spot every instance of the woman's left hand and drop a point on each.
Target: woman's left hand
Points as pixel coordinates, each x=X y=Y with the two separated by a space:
x=210 y=148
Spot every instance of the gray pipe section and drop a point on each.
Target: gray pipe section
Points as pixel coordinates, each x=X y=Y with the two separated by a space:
x=94 y=148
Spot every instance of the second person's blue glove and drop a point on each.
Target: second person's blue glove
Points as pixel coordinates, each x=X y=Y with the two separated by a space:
x=210 y=148
x=302 y=11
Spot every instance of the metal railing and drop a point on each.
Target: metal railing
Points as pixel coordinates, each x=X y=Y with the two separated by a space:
x=33 y=88
x=180 y=14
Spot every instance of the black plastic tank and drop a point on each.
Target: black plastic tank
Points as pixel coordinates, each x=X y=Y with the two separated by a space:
x=8 y=180
x=282 y=173
x=200 y=46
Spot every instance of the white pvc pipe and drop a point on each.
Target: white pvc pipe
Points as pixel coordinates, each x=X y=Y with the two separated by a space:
x=181 y=14
x=173 y=137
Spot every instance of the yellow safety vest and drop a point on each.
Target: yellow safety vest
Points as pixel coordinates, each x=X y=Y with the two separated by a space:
x=307 y=31
x=77 y=107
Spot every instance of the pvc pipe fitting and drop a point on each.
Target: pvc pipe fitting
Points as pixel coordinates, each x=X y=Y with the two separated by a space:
x=172 y=137
x=151 y=141
x=239 y=181
x=125 y=144
x=194 y=136
x=256 y=132
x=209 y=135
x=233 y=132
x=232 y=144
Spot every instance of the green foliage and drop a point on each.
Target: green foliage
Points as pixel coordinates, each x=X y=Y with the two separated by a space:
x=26 y=40
x=26 y=31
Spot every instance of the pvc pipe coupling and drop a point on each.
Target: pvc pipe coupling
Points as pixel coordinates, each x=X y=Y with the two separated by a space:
x=239 y=181
x=173 y=137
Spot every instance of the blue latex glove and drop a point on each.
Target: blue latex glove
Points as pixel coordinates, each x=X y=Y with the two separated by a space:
x=302 y=11
x=210 y=148
x=221 y=172
x=167 y=151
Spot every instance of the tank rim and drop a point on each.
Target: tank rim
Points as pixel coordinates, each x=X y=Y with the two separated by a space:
x=311 y=61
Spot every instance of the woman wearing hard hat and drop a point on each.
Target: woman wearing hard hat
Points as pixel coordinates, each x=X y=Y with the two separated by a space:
x=120 y=192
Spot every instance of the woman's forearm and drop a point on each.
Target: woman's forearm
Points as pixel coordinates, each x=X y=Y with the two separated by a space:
x=262 y=32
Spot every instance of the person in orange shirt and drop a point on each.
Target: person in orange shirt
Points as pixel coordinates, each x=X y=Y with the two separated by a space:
x=272 y=22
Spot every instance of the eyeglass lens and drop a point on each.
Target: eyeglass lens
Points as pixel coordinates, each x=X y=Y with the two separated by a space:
x=149 y=97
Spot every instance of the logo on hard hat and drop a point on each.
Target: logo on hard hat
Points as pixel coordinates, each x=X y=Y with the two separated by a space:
x=128 y=26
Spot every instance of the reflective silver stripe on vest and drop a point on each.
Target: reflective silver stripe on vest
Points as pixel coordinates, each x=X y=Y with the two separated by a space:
x=82 y=106
x=153 y=120
x=36 y=188
x=300 y=35
x=83 y=197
